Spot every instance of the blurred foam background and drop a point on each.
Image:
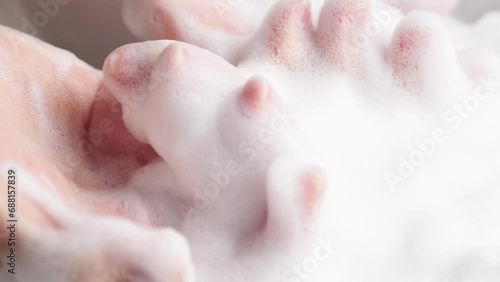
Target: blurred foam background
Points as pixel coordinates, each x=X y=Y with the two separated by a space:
x=93 y=28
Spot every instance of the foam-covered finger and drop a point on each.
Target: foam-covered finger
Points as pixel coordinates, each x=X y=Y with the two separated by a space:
x=340 y=31
x=422 y=51
x=295 y=189
x=89 y=247
x=209 y=24
x=168 y=81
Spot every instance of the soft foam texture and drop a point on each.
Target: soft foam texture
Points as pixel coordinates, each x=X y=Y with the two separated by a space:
x=358 y=112
x=322 y=178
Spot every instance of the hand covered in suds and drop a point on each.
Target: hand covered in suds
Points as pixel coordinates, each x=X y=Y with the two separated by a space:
x=63 y=134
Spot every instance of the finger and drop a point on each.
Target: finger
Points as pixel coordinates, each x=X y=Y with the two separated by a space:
x=197 y=22
x=81 y=242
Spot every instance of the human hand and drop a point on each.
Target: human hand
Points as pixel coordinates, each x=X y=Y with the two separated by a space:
x=220 y=25
x=64 y=136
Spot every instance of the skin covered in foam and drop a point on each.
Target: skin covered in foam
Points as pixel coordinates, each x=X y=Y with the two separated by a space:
x=222 y=24
x=54 y=188
x=59 y=104
x=246 y=107
x=363 y=110
x=57 y=243
x=439 y=225
x=50 y=108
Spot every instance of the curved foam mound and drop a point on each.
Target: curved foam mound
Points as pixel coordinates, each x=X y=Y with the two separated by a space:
x=352 y=144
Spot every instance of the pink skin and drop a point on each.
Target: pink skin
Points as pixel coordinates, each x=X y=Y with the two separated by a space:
x=215 y=24
x=340 y=24
x=165 y=14
x=416 y=45
x=74 y=106
x=51 y=205
x=198 y=108
x=70 y=99
x=291 y=24
x=267 y=211
x=207 y=24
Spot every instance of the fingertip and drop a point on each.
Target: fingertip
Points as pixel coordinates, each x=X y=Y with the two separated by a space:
x=171 y=58
x=313 y=182
x=257 y=93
